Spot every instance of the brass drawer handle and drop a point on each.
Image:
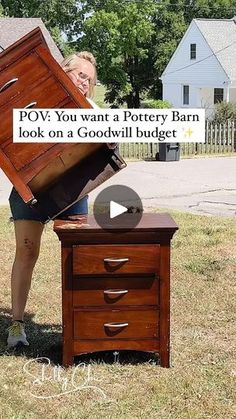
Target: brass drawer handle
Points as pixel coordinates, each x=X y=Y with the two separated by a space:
x=30 y=105
x=116 y=292
x=116 y=324
x=116 y=260
x=8 y=84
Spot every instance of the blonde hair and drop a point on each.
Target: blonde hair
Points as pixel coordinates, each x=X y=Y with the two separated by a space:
x=72 y=62
x=86 y=55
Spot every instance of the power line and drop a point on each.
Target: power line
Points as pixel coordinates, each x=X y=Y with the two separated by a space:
x=140 y=78
x=199 y=61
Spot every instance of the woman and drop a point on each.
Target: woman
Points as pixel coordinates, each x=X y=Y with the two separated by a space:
x=81 y=68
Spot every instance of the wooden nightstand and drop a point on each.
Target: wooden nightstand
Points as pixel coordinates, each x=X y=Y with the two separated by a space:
x=116 y=286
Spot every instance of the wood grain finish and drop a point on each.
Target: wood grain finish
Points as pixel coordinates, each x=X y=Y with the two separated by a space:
x=30 y=70
x=110 y=259
x=116 y=309
x=113 y=291
x=56 y=168
x=30 y=75
x=30 y=42
x=85 y=346
x=117 y=323
x=46 y=95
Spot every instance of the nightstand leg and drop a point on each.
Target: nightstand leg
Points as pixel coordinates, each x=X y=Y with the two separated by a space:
x=164 y=359
x=67 y=359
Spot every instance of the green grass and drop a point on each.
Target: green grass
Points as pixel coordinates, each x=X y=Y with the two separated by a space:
x=201 y=382
x=99 y=96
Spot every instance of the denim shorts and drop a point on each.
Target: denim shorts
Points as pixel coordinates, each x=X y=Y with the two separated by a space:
x=22 y=211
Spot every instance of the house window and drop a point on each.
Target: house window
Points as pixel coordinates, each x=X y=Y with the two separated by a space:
x=193 y=51
x=218 y=95
x=185 y=95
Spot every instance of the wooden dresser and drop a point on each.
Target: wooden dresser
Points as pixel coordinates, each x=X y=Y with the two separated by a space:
x=116 y=286
x=31 y=78
x=45 y=174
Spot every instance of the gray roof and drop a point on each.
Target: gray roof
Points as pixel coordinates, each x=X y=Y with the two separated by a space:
x=220 y=34
x=13 y=28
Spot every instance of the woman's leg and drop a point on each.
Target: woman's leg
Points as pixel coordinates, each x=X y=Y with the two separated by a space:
x=28 y=236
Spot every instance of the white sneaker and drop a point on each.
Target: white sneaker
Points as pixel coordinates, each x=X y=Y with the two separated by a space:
x=16 y=335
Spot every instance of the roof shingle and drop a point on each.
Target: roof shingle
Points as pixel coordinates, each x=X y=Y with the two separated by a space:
x=14 y=28
x=220 y=34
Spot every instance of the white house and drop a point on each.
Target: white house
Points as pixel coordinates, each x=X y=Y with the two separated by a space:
x=202 y=70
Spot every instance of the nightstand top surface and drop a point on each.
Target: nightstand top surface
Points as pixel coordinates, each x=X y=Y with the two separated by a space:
x=148 y=222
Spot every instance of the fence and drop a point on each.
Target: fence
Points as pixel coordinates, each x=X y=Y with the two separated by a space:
x=220 y=139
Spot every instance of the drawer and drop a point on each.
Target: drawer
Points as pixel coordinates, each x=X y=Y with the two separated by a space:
x=24 y=156
x=20 y=76
x=116 y=259
x=115 y=291
x=47 y=94
x=116 y=324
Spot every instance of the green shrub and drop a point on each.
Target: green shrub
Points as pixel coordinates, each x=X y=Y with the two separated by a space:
x=224 y=111
x=155 y=104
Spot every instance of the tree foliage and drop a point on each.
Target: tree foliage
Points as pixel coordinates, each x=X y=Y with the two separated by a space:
x=1 y=10
x=54 y=13
x=133 y=40
x=208 y=9
x=57 y=15
x=120 y=33
x=170 y=26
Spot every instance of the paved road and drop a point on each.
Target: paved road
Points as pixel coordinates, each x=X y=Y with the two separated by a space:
x=201 y=185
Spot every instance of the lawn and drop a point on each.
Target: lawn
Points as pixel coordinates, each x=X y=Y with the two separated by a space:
x=99 y=96
x=200 y=383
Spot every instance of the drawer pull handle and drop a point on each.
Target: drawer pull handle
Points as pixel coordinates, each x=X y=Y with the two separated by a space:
x=30 y=105
x=8 y=84
x=116 y=324
x=116 y=260
x=116 y=292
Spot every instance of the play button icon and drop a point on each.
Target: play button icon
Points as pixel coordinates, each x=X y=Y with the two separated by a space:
x=118 y=207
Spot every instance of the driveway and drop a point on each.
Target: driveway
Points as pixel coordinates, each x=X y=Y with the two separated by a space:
x=200 y=185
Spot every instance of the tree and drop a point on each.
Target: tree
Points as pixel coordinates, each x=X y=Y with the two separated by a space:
x=208 y=9
x=133 y=41
x=119 y=33
x=224 y=111
x=170 y=26
x=1 y=11
x=54 y=13
x=57 y=15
